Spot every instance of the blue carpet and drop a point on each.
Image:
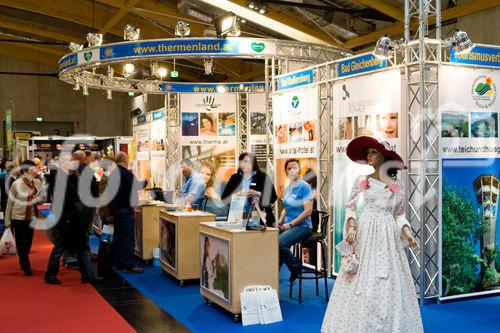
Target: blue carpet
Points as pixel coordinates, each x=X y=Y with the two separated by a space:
x=187 y=306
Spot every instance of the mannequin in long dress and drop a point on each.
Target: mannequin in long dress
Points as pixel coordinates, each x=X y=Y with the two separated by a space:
x=381 y=296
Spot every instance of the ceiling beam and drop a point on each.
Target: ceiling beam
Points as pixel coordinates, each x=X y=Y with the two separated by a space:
x=47 y=49
x=118 y=16
x=281 y=23
x=38 y=29
x=258 y=72
x=385 y=8
x=26 y=53
x=469 y=8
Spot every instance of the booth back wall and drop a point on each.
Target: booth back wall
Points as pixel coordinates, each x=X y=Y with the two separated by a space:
x=55 y=100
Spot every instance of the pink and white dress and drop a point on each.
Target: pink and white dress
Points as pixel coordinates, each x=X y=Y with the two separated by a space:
x=381 y=296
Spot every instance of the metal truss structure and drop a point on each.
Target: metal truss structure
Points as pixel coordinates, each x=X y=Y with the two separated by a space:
x=422 y=59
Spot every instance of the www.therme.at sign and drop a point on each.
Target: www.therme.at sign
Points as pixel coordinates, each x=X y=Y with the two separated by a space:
x=295 y=79
x=479 y=55
x=213 y=88
x=361 y=64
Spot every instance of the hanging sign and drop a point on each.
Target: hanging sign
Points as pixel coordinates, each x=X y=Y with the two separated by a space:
x=479 y=55
x=295 y=80
x=360 y=64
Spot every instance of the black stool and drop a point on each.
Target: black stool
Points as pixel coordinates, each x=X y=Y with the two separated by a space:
x=312 y=242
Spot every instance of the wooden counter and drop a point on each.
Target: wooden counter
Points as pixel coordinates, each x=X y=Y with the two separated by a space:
x=179 y=243
x=147 y=236
x=238 y=258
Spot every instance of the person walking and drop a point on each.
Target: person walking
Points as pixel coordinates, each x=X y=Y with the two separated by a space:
x=21 y=209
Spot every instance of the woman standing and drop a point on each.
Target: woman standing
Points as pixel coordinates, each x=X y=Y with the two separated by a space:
x=380 y=297
x=295 y=221
x=21 y=208
x=252 y=182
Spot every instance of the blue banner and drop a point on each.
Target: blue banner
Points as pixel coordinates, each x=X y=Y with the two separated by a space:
x=361 y=64
x=213 y=88
x=296 y=79
x=166 y=47
x=158 y=114
x=479 y=55
x=68 y=61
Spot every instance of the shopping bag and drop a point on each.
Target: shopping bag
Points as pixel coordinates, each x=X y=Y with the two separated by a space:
x=260 y=305
x=7 y=243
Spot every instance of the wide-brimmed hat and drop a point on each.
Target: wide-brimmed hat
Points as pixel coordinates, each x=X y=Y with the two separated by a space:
x=357 y=150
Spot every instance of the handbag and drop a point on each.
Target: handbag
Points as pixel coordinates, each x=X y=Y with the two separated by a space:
x=258 y=222
x=351 y=262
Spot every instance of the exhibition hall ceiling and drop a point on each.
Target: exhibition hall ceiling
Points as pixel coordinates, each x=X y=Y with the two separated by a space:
x=39 y=31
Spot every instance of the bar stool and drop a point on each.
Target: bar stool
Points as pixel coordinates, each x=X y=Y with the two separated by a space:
x=306 y=273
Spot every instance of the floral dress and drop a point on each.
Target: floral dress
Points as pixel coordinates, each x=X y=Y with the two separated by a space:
x=381 y=296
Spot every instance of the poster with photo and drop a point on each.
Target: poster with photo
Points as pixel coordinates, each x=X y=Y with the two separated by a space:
x=142 y=136
x=470 y=182
x=215 y=266
x=168 y=239
x=157 y=145
x=364 y=105
x=208 y=134
x=257 y=128
x=296 y=128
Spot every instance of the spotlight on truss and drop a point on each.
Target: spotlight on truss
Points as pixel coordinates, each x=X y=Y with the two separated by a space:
x=131 y=33
x=182 y=29
x=94 y=39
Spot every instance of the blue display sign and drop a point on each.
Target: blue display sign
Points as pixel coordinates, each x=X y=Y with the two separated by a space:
x=166 y=47
x=479 y=55
x=213 y=88
x=294 y=80
x=361 y=64
x=158 y=114
x=68 y=61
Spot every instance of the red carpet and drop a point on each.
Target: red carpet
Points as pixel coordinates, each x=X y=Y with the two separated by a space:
x=28 y=304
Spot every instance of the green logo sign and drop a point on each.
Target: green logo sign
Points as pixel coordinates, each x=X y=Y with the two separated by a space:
x=295 y=102
x=258 y=47
x=87 y=55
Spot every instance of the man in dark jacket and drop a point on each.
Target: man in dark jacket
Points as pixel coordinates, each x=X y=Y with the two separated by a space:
x=69 y=233
x=121 y=208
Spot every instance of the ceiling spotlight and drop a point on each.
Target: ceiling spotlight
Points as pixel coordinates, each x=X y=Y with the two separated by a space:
x=128 y=69
x=227 y=26
x=461 y=42
x=94 y=39
x=251 y=5
x=109 y=94
x=154 y=68
x=162 y=72
x=85 y=90
x=77 y=86
x=131 y=33
x=75 y=46
x=383 y=47
x=182 y=29
x=243 y=20
x=262 y=11
x=209 y=66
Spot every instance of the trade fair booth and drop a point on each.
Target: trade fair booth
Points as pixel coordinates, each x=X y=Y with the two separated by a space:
x=434 y=102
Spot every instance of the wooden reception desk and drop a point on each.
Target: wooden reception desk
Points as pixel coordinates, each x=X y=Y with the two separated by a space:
x=232 y=259
x=146 y=229
x=179 y=243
